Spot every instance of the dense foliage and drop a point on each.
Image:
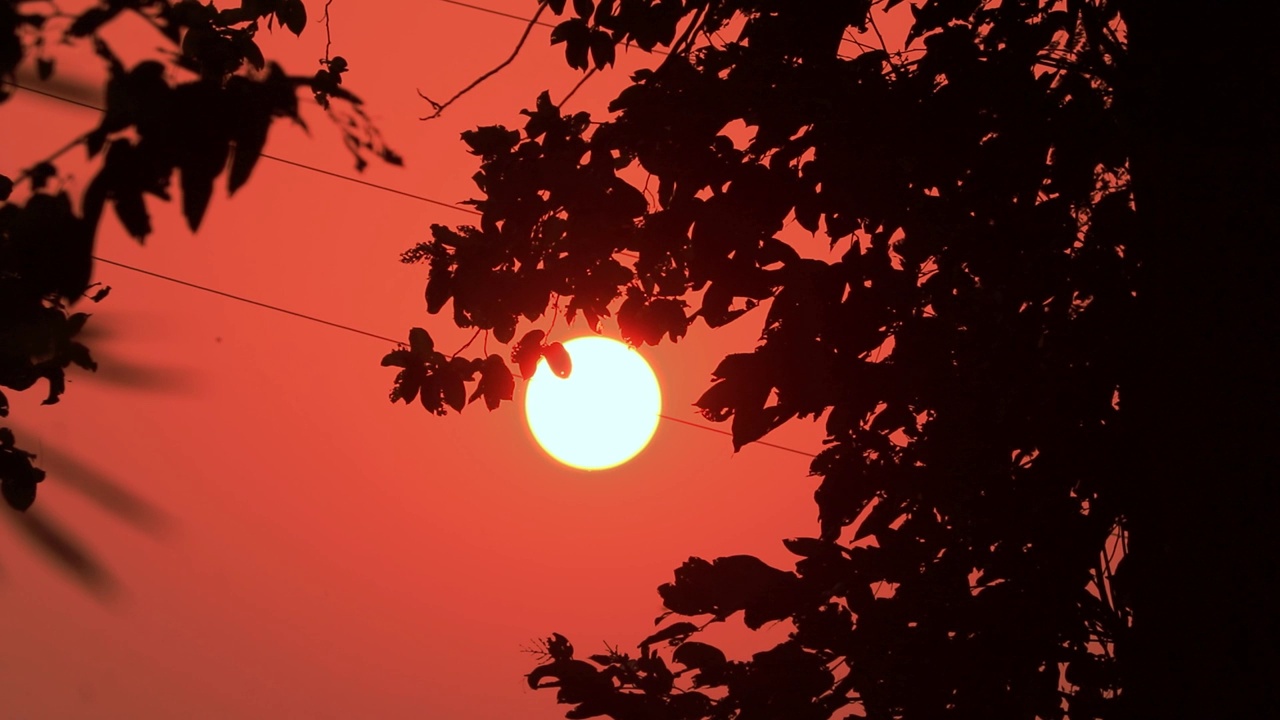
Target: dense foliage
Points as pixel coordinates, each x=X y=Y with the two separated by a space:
x=199 y=110
x=957 y=328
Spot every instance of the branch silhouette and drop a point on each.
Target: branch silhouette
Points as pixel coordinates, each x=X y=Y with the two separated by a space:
x=441 y=107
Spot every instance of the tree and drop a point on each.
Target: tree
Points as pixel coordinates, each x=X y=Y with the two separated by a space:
x=1005 y=351
x=202 y=107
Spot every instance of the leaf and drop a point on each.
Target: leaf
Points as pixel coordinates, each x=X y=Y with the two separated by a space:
x=558 y=359
x=57 y=385
x=249 y=49
x=491 y=141
x=18 y=476
x=810 y=547
x=197 y=191
x=44 y=68
x=398 y=358
x=673 y=632
x=407 y=386
x=131 y=210
x=63 y=549
x=697 y=655
x=249 y=137
x=6 y=188
x=41 y=174
x=453 y=390
x=584 y=8
x=420 y=343
x=18 y=494
x=91 y=20
x=576 y=36
x=603 y=50
x=439 y=290
x=527 y=352
x=293 y=15
x=727 y=585
x=496 y=382
x=505 y=330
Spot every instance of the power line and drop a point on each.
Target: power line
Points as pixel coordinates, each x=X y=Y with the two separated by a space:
x=243 y=299
x=717 y=430
x=376 y=336
x=275 y=158
x=499 y=13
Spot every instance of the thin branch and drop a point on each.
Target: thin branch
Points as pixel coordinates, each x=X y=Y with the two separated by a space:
x=555 y=313
x=26 y=173
x=440 y=107
x=581 y=82
x=475 y=335
x=328 y=38
x=686 y=38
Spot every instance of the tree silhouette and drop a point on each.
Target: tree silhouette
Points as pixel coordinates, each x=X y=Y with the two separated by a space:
x=1022 y=362
x=199 y=110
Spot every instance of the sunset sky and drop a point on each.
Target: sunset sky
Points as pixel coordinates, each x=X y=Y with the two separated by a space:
x=291 y=544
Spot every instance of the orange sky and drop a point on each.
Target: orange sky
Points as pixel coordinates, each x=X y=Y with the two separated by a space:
x=313 y=551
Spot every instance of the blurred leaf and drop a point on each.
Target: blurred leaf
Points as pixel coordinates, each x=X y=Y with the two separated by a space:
x=91 y=20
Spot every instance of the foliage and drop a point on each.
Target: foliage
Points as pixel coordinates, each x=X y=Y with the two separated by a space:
x=200 y=109
x=959 y=339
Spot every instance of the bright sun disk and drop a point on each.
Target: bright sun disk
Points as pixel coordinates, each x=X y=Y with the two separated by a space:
x=603 y=414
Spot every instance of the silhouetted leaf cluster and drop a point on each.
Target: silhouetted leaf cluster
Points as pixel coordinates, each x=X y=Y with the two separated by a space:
x=532 y=348
x=958 y=340
x=44 y=253
x=201 y=109
x=440 y=383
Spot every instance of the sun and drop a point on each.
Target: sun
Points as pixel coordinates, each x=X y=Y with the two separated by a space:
x=603 y=414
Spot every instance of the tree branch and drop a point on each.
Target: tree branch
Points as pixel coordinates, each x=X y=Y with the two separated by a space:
x=440 y=107
x=27 y=172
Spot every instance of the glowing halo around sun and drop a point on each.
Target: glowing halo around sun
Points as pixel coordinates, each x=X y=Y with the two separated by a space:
x=603 y=414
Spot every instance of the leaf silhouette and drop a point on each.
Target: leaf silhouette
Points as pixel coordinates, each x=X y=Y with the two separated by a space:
x=526 y=353
x=672 y=633
x=558 y=359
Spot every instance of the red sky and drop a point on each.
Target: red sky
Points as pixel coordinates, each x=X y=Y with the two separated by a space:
x=315 y=551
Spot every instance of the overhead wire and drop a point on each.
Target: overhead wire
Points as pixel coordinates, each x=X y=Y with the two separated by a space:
x=358 y=181
x=376 y=336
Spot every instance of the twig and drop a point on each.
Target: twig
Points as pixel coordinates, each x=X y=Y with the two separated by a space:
x=581 y=82
x=555 y=313
x=687 y=37
x=328 y=38
x=440 y=107
x=475 y=335
x=26 y=173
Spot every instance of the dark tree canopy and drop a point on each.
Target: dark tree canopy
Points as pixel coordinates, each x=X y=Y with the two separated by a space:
x=977 y=342
x=199 y=111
